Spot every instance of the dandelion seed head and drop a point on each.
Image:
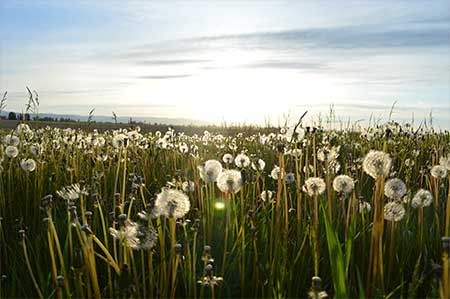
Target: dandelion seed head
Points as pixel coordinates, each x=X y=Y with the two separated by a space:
x=343 y=184
x=267 y=195
x=172 y=203
x=276 y=172
x=421 y=199
x=229 y=181
x=290 y=178
x=438 y=171
x=71 y=192
x=364 y=206
x=242 y=161
x=28 y=165
x=394 y=188
x=295 y=134
x=210 y=171
x=394 y=211
x=445 y=161
x=259 y=165
x=12 y=140
x=227 y=158
x=188 y=186
x=377 y=163
x=11 y=151
x=314 y=186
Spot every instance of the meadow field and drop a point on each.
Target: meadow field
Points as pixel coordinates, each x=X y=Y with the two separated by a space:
x=289 y=212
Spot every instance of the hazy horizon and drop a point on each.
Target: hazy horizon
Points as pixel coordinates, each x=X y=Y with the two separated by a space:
x=234 y=61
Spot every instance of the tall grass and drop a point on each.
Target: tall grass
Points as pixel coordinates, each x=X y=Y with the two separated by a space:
x=66 y=224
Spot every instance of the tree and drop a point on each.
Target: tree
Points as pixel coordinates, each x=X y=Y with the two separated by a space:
x=12 y=116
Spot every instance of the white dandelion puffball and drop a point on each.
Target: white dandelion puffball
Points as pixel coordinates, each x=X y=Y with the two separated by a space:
x=242 y=161
x=276 y=172
x=295 y=135
x=394 y=188
x=12 y=140
x=184 y=148
x=119 y=140
x=188 y=186
x=11 y=151
x=127 y=233
x=423 y=198
x=445 y=161
x=28 y=165
x=377 y=163
x=229 y=181
x=135 y=236
x=22 y=128
x=227 y=158
x=290 y=178
x=259 y=165
x=314 y=186
x=71 y=192
x=439 y=171
x=394 y=211
x=364 y=206
x=172 y=203
x=343 y=184
x=210 y=171
x=267 y=195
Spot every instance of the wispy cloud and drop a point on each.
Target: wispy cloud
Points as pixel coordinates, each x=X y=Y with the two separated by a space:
x=162 y=77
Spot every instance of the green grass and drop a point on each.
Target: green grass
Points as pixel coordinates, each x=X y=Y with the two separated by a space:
x=257 y=249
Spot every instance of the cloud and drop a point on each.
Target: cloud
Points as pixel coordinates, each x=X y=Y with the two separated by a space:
x=168 y=62
x=161 y=77
x=286 y=64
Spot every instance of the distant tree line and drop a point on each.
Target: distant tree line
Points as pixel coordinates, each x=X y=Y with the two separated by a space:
x=27 y=117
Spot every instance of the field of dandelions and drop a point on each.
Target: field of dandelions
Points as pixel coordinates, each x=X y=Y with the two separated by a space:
x=300 y=212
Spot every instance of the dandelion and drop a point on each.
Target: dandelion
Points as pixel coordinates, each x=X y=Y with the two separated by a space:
x=22 y=128
x=119 y=140
x=12 y=140
x=296 y=152
x=343 y=184
x=394 y=211
x=394 y=188
x=188 y=186
x=364 y=206
x=445 y=161
x=423 y=198
x=36 y=149
x=409 y=163
x=242 y=161
x=377 y=163
x=227 y=158
x=134 y=235
x=295 y=134
x=328 y=155
x=172 y=203
x=439 y=171
x=210 y=171
x=209 y=279
x=259 y=165
x=276 y=172
x=184 y=148
x=229 y=181
x=290 y=178
x=28 y=165
x=266 y=195
x=11 y=151
x=314 y=186
x=71 y=192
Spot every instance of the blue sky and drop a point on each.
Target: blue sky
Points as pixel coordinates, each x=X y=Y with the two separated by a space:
x=238 y=61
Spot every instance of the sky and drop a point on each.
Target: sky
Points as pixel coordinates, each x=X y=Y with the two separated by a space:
x=229 y=61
